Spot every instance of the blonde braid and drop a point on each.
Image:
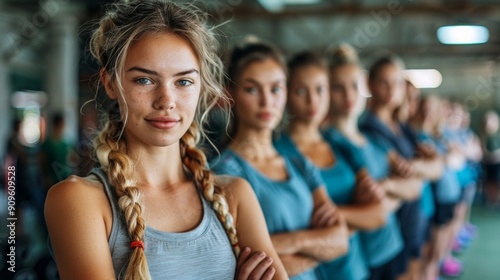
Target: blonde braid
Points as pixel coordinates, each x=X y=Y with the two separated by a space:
x=111 y=152
x=195 y=161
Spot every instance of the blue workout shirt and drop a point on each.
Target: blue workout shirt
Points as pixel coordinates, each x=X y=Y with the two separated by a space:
x=411 y=214
x=287 y=205
x=340 y=180
x=383 y=244
x=447 y=187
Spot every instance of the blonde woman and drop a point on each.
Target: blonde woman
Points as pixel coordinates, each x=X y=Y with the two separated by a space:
x=151 y=209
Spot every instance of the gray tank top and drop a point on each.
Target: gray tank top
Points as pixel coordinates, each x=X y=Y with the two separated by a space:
x=202 y=253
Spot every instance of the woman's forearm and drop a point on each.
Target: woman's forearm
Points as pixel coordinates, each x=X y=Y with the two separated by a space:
x=321 y=243
x=407 y=189
x=431 y=169
x=296 y=264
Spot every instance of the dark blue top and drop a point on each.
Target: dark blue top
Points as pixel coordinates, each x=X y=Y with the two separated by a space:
x=410 y=214
x=404 y=142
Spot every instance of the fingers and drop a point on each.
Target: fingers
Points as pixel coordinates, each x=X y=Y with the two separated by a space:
x=327 y=216
x=256 y=266
x=318 y=213
x=243 y=257
x=262 y=269
x=333 y=219
x=323 y=214
x=269 y=274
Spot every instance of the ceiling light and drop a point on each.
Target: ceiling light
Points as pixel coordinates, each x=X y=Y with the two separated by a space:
x=463 y=34
x=424 y=78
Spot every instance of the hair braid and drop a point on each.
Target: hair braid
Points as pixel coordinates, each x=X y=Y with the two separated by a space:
x=195 y=161
x=111 y=153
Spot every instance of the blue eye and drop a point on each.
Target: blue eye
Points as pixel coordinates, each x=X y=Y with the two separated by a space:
x=276 y=90
x=144 y=81
x=185 y=83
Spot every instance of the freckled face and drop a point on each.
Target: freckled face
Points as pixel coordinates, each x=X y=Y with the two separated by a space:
x=308 y=97
x=161 y=84
x=260 y=95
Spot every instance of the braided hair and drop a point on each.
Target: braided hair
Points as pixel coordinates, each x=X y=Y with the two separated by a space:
x=123 y=24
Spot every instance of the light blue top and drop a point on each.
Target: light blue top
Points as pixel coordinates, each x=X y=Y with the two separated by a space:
x=468 y=174
x=447 y=187
x=171 y=255
x=340 y=180
x=287 y=205
x=383 y=244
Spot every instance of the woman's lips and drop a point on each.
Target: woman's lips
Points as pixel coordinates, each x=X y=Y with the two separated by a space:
x=163 y=122
x=265 y=116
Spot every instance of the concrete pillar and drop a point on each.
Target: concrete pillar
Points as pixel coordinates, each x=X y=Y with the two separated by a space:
x=62 y=72
x=5 y=92
x=496 y=85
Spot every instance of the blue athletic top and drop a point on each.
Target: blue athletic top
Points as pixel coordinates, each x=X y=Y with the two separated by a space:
x=411 y=215
x=447 y=187
x=373 y=157
x=383 y=244
x=287 y=205
x=468 y=174
x=340 y=180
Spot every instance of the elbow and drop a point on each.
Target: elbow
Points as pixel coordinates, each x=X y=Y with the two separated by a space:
x=378 y=220
x=337 y=246
x=437 y=171
x=333 y=252
x=414 y=193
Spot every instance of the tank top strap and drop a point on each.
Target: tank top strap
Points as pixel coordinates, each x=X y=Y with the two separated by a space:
x=108 y=188
x=118 y=225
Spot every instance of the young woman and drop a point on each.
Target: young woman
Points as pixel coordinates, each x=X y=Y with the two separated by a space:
x=384 y=258
x=150 y=208
x=428 y=124
x=308 y=104
x=386 y=85
x=304 y=224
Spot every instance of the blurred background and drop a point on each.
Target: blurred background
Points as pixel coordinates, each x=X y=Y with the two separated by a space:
x=47 y=78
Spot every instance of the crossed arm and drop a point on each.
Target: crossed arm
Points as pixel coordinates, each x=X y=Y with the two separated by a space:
x=325 y=240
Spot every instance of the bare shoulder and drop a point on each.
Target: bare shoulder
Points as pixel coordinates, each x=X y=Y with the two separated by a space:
x=79 y=222
x=75 y=186
x=237 y=191
x=76 y=194
x=236 y=187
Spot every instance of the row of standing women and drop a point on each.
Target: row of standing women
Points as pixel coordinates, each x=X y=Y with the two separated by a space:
x=327 y=199
x=300 y=135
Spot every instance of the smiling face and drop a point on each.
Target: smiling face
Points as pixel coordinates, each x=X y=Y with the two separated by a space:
x=308 y=98
x=161 y=88
x=260 y=95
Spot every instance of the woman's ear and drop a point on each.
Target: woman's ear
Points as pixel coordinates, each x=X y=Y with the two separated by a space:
x=108 y=84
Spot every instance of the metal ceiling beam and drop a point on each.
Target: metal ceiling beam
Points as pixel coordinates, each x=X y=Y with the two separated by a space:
x=449 y=9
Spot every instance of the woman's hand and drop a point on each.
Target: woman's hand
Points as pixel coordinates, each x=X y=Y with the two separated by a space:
x=367 y=190
x=254 y=265
x=400 y=167
x=326 y=214
x=426 y=151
